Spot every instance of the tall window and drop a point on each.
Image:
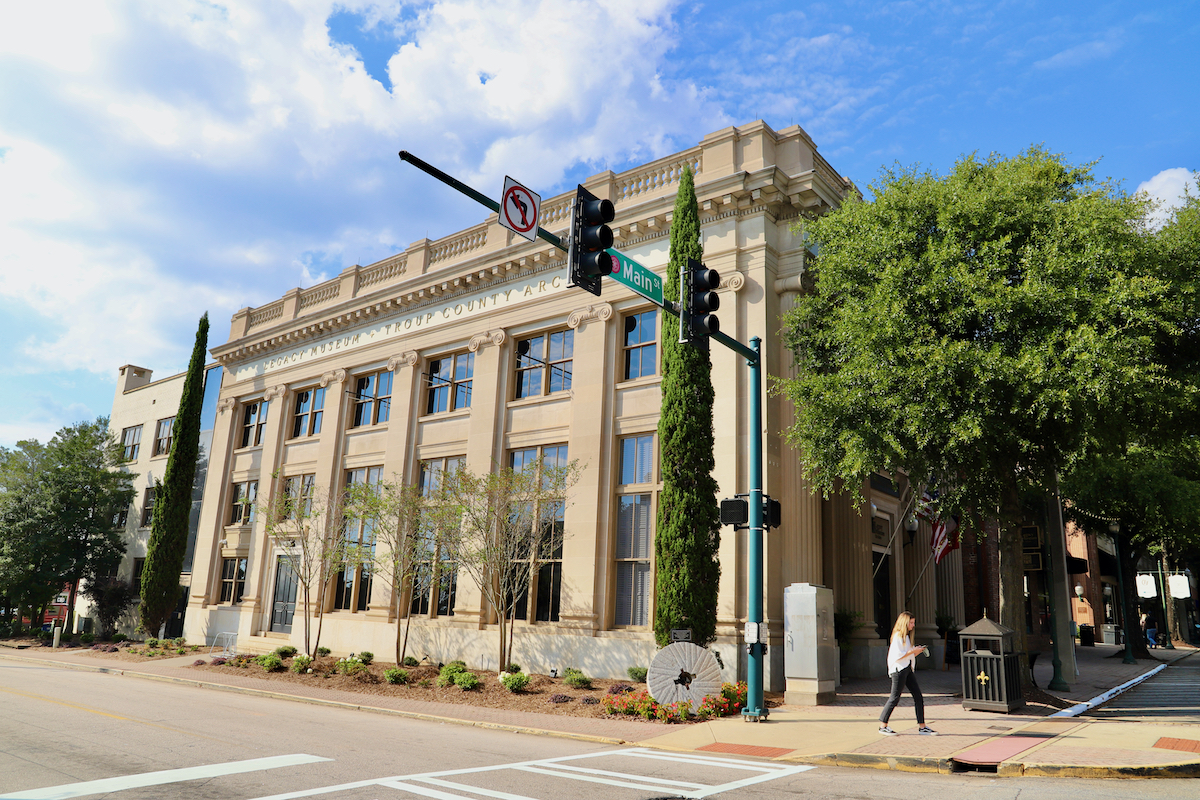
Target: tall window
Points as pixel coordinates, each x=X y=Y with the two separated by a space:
x=353 y=588
x=136 y=580
x=233 y=579
x=298 y=494
x=640 y=344
x=450 y=383
x=372 y=398
x=241 y=502
x=254 y=419
x=162 y=436
x=544 y=592
x=544 y=364
x=148 y=507
x=635 y=520
x=435 y=578
x=306 y=420
x=131 y=439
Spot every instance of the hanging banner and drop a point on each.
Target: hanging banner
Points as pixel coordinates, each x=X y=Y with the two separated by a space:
x=1146 y=587
x=1178 y=584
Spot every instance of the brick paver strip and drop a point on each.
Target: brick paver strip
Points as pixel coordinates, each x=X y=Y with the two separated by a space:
x=998 y=750
x=1186 y=745
x=746 y=749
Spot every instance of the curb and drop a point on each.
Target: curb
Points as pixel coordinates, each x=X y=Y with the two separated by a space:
x=939 y=764
x=1017 y=770
x=499 y=726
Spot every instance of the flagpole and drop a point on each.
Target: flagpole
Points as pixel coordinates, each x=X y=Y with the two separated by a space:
x=917 y=582
x=899 y=521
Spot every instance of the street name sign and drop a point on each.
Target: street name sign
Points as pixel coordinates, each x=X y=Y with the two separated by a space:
x=642 y=280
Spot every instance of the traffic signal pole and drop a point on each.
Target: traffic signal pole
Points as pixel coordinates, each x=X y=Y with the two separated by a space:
x=755 y=710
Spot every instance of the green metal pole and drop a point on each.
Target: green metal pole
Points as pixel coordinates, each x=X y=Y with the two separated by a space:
x=1166 y=598
x=755 y=708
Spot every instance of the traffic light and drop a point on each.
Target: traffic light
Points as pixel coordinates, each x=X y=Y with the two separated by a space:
x=590 y=238
x=697 y=321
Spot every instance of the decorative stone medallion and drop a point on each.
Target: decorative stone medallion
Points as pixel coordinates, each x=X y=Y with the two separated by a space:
x=683 y=671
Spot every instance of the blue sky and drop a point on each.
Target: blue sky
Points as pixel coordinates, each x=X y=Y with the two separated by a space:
x=160 y=160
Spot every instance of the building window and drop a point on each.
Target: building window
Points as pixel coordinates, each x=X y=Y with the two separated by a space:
x=310 y=404
x=121 y=518
x=641 y=348
x=254 y=419
x=148 y=507
x=635 y=520
x=449 y=383
x=162 y=436
x=131 y=439
x=435 y=577
x=136 y=580
x=233 y=579
x=241 y=505
x=544 y=364
x=353 y=587
x=372 y=398
x=298 y=496
x=543 y=592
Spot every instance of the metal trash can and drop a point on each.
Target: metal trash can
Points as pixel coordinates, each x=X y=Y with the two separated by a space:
x=1087 y=636
x=991 y=670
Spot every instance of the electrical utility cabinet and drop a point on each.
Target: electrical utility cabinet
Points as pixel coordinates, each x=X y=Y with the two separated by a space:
x=810 y=656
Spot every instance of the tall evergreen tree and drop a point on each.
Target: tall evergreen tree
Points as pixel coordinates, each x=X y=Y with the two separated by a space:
x=688 y=537
x=173 y=498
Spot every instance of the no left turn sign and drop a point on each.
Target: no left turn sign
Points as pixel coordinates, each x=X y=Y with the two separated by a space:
x=519 y=208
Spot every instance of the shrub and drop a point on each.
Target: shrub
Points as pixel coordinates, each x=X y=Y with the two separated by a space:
x=301 y=663
x=466 y=681
x=459 y=662
x=576 y=679
x=395 y=676
x=589 y=700
x=152 y=643
x=179 y=641
x=270 y=662
x=639 y=704
x=409 y=661
x=447 y=673
x=351 y=665
x=120 y=637
x=217 y=662
x=620 y=688
x=423 y=683
x=199 y=662
x=323 y=651
x=5 y=630
x=513 y=668
x=559 y=698
x=637 y=674
x=366 y=656
x=285 y=651
x=87 y=638
x=181 y=651
x=515 y=681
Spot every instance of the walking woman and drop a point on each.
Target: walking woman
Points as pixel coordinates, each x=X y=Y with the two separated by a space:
x=902 y=662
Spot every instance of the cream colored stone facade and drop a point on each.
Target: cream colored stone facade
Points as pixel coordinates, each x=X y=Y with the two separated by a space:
x=480 y=292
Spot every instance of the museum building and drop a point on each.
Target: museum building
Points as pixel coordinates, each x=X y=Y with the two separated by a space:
x=472 y=350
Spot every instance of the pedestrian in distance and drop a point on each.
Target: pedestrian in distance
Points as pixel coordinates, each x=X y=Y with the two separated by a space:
x=1151 y=628
x=902 y=664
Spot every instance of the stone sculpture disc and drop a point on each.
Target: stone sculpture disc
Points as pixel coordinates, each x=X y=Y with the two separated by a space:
x=683 y=671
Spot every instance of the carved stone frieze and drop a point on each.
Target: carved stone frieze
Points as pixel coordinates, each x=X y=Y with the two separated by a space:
x=600 y=311
x=405 y=359
x=734 y=282
x=224 y=404
x=333 y=376
x=496 y=337
x=274 y=392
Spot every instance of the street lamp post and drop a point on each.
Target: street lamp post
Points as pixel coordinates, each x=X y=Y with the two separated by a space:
x=1115 y=528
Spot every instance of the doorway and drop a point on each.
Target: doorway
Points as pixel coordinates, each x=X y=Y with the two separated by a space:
x=285 y=597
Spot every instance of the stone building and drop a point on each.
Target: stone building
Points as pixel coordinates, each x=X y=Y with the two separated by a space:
x=472 y=349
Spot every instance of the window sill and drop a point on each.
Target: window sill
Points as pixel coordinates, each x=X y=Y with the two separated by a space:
x=566 y=394
x=458 y=412
x=378 y=426
x=633 y=383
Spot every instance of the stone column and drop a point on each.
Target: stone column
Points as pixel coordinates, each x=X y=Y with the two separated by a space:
x=850 y=529
x=256 y=601
x=920 y=589
x=328 y=477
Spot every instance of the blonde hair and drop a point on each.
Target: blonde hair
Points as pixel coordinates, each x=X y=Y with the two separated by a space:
x=901 y=627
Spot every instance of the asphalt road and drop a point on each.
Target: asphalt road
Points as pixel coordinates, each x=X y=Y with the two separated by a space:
x=1173 y=695
x=67 y=733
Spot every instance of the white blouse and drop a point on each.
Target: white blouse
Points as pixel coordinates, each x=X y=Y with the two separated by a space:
x=900 y=645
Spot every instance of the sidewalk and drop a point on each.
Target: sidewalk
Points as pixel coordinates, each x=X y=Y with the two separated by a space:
x=844 y=733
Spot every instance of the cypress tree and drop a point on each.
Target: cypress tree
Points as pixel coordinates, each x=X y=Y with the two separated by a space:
x=173 y=498
x=688 y=571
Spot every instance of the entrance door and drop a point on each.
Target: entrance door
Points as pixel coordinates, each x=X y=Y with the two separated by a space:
x=883 y=594
x=285 y=597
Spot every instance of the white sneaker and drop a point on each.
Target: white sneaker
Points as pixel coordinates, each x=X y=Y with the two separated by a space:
x=925 y=730
x=886 y=731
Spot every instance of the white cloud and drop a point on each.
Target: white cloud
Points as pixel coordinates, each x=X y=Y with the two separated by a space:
x=1083 y=53
x=1167 y=189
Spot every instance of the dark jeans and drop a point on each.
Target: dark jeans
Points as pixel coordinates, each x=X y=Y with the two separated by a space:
x=904 y=677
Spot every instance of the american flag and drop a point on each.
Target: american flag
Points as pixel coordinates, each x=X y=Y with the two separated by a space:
x=946 y=537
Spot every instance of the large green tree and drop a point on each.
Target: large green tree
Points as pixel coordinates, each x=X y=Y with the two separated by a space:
x=173 y=498
x=688 y=572
x=981 y=331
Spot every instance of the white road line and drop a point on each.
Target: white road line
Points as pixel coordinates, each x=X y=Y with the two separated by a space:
x=106 y=785
x=594 y=779
x=712 y=762
x=496 y=793
x=610 y=773
x=424 y=791
x=729 y=787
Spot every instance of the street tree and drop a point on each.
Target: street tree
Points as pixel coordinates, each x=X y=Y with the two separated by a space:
x=501 y=528
x=167 y=547
x=688 y=533
x=981 y=331
x=307 y=525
